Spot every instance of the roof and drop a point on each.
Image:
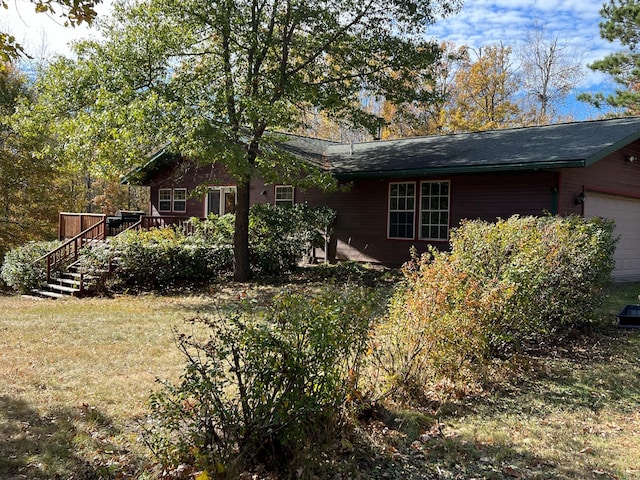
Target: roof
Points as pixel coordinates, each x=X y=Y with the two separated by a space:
x=565 y=145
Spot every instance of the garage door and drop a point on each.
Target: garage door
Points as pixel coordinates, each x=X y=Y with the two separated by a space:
x=626 y=213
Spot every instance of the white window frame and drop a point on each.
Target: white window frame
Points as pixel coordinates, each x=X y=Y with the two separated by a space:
x=393 y=207
x=168 y=200
x=176 y=201
x=289 y=200
x=224 y=189
x=432 y=207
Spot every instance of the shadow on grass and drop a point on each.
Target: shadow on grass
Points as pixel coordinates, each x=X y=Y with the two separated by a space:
x=441 y=454
x=67 y=443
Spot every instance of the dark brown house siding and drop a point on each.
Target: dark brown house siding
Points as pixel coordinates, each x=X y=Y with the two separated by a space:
x=192 y=177
x=360 y=231
x=613 y=174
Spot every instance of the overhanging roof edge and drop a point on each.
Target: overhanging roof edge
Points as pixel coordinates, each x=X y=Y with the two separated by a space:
x=612 y=148
x=466 y=169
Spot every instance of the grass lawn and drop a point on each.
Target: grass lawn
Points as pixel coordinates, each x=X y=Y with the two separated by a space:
x=75 y=376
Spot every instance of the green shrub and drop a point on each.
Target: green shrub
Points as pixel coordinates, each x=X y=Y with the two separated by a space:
x=264 y=387
x=167 y=258
x=503 y=286
x=158 y=259
x=18 y=269
x=279 y=237
x=557 y=269
x=216 y=230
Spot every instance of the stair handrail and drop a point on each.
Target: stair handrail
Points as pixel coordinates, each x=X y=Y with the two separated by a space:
x=133 y=226
x=71 y=247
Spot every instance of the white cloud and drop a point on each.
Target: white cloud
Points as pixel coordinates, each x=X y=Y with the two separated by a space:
x=574 y=22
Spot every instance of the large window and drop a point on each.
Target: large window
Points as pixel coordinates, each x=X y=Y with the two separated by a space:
x=164 y=200
x=434 y=210
x=284 y=195
x=220 y=200
x=179 y=199
x=172 y=200
x=402 y=201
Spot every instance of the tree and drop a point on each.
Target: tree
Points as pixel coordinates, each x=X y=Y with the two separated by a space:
x=74 y=12
x=621 y=23
x=426 y=117
x=483 y=95
x=550 y=70
x=213 y=79
x=30 y=188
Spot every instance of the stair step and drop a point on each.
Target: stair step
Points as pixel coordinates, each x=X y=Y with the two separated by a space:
x=73 y=282
x=62 y=288
x=49 y=294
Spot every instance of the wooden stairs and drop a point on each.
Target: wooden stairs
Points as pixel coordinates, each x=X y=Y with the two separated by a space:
x=70 y=283
x=64 y=277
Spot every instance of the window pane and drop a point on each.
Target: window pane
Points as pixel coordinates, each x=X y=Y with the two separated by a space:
x=164 y=200
x=401 y=210
x=230 y=202
x=213 y=202
x=434 y=204
x=284 y=195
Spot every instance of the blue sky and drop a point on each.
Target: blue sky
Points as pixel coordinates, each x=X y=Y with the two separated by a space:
x=479 y=23
x=574 y=22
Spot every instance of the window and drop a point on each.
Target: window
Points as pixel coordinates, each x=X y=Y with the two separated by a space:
x=434 y=210
x=402 y=199
x=164 y=200
x=220 y=200
x=284 y=195
x=179 y=199
x=172 y=200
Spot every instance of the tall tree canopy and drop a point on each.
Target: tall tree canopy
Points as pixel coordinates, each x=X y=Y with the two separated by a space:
x=550 y=69
x=31 y=189
x=483 y=97
x=213 y=78
x=621 y=23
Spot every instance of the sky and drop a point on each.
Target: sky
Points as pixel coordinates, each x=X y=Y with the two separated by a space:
x=479 y=23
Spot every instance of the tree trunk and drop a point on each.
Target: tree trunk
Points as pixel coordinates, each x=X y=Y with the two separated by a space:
x=242 y=267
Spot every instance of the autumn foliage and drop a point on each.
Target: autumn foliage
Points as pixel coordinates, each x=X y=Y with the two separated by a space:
x=503 y=287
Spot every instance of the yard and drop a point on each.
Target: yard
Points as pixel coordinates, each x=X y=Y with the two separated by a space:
x=75 y=376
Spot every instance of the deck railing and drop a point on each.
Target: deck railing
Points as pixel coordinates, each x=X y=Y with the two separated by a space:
x=71 y=224
x=183 y=223
x=70 y=249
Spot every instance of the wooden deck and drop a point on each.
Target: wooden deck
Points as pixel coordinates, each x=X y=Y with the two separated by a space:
x=70 y=225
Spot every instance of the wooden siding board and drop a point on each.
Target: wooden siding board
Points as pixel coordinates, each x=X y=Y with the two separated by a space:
x=612 y=174
x=362 y=217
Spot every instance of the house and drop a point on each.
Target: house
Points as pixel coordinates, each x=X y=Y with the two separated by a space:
x=411 y=192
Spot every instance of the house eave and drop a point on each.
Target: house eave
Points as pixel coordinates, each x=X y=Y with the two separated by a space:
x=614 y=147
x=467 y=169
